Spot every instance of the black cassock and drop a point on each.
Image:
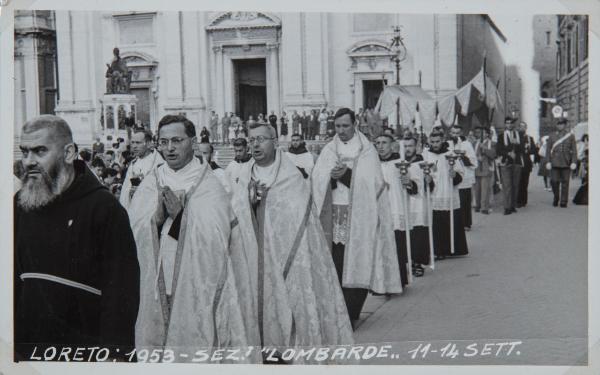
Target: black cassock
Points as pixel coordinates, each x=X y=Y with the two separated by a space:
x=441 y=233
x=76 y=279
x=441 y=230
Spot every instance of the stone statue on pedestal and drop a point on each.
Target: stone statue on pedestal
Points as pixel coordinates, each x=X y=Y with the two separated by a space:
x=118 y=77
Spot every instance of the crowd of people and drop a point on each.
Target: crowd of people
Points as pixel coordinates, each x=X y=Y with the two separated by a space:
x=278 y=249
x=312 y=124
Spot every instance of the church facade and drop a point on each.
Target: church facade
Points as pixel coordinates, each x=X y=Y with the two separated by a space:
x=193 y=63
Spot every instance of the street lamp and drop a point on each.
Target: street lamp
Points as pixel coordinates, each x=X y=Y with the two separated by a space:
x=399 y=50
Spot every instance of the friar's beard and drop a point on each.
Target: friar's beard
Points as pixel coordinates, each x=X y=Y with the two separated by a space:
x=39 y=192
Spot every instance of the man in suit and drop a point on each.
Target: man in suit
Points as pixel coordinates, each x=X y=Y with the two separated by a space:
x=304 y=124
x=561 y=159
x=529 y=149
x=510 y=150
x=313 y=124
x=97 y=148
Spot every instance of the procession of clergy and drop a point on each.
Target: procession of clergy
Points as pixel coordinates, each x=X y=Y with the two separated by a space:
x=279 y=249
x=278 y=252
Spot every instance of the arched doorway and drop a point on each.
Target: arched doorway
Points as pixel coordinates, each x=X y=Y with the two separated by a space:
x=143 y=85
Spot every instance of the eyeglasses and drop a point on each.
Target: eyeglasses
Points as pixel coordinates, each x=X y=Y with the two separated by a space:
x=260 y=139
x=175 y=141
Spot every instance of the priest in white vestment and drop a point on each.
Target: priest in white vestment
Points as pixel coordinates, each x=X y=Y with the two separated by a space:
x=445 y=199
x=206 y=151
x=194 y=279
x=300 y=302
x=146 y=159
x=349 y=191
x=241 y=156
x=469 y=161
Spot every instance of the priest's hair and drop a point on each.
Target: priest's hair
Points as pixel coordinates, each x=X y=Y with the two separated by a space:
x=345 y=111
x=386 y=136
x=190 y=129
x=58 y=128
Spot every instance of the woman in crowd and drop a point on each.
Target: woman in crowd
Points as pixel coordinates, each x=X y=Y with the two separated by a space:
x=204 y=135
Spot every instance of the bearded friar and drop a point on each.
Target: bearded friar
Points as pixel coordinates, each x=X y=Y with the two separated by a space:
x=76 y=275
x=182 y=221
x=299 y=300
x=146 y=159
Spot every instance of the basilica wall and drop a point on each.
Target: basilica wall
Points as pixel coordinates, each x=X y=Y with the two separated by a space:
x=193 y=63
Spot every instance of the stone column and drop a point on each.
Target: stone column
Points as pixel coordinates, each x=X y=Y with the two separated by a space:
x=228 y=89
x=292 y=47
x=115 y=121
x=273 y=87
x=219 y=102
x=76 y=79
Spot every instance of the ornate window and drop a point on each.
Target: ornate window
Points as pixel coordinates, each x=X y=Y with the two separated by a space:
x=371 y=52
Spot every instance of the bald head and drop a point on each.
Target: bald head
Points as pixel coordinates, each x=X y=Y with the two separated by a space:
x=58 y=129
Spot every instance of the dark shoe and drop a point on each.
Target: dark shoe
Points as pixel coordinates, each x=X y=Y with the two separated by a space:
x=418 y=271
x=485 y=212
x=513 y=210
x=563 y=205
x=555 y=203
x=477 y=209
x=507 y=212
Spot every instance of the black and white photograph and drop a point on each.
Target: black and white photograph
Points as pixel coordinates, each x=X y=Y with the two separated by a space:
x=243 y=184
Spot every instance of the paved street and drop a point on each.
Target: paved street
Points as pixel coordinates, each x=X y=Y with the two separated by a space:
x=525 y=278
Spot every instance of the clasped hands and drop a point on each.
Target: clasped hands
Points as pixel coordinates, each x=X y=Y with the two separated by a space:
x=338 y=170
x=168 y=205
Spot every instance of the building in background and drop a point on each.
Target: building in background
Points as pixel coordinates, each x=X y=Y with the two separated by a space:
x=545 y=35
x=247 y=62
x=34 y=64
x=480 y=37
x=572 y=67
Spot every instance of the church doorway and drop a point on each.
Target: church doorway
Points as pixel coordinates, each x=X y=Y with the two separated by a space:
x=251 y=87
x=372 y=89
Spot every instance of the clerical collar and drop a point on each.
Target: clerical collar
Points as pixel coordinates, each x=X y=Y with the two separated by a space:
x=392 y=156
x=267 y=174
x=352 y=140
x=194 y=163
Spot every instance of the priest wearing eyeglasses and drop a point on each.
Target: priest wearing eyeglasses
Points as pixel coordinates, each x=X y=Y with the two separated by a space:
x=298 y=298
x=192 y=279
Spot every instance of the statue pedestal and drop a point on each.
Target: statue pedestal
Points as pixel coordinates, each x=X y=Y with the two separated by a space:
x=117 y=109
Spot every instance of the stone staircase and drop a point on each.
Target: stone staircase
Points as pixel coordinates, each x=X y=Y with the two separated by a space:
x=224 y=154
